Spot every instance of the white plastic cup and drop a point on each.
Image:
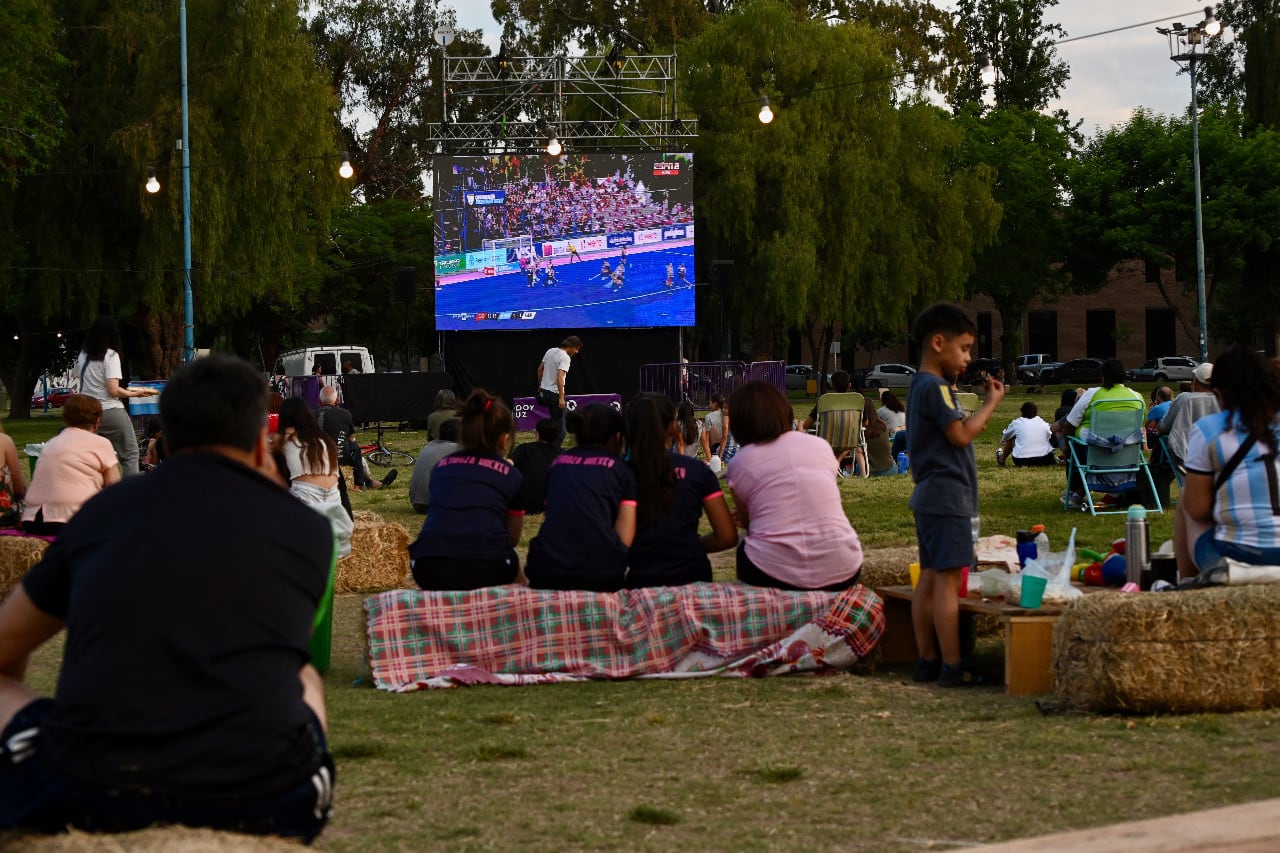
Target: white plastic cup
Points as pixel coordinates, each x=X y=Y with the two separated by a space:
x=716 y=464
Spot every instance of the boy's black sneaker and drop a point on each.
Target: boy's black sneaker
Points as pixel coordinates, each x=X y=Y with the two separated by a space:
x=927 y=670
x=966 y=674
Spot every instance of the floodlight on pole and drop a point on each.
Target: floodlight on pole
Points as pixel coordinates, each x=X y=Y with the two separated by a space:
x=1186 y=45
x=766 y=114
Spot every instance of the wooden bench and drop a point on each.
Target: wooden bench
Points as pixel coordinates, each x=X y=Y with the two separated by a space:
x=1028 y=637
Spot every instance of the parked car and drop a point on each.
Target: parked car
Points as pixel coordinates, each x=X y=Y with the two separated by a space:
x=1172 y=368
x=57 y=396
x=979 y=369
x=1077 y=371
x=889 y=375
x=1030 y=366
x=858 y=378
x=798 y=375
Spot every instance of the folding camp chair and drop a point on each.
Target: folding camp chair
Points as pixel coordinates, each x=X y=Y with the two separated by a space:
x=840 y=423
x=1107 y=455
x=1178 y=470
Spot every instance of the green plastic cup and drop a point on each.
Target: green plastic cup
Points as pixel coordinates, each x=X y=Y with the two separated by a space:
x=1032 y=592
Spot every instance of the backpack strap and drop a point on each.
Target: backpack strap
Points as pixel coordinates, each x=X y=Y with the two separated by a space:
x=1234 y=462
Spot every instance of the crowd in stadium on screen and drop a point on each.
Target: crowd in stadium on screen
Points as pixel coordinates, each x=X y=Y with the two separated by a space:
x=551 y=209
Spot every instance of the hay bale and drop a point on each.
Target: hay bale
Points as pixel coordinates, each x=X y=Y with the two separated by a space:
x=171 y=839
x=1185 y=652
x=887 y=566
x=17 y=555
x=379 y=558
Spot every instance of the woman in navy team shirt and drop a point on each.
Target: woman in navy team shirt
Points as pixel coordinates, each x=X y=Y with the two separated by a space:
x=673 y=490
x=475 y=518
x=591 y=509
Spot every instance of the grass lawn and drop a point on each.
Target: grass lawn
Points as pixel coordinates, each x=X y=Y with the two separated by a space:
x=850 y=762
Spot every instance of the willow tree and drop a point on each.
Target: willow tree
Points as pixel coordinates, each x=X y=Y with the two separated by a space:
x=86 y=238
x=848 y=208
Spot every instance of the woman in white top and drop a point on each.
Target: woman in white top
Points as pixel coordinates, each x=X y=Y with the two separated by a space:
x=100 y=375
x=312 y=459
x=892 y=412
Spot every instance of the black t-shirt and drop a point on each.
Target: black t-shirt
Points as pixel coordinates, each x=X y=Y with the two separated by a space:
x=577 y=547
x=534 y=460
x=189 y=596
x=338 y=423
x=667 y=550
x=946 y=476
x=469 y=498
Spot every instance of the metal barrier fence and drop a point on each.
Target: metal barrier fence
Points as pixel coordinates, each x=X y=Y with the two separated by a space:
x=698 y=381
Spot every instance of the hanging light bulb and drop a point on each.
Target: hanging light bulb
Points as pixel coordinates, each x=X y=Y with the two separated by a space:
x=766 y=114
x=1211 y=25
x=345 y=169
x=152 y=185
x=554 y=147
x=987 y=71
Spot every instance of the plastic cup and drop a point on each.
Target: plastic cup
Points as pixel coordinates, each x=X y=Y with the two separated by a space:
x=1032 y=591
x=964 y=582
x=914 y=568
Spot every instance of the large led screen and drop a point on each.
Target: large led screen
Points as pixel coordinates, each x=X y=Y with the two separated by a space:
x=584 y=240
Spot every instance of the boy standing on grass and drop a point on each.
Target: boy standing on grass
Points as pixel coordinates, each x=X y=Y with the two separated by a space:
x=945 y=499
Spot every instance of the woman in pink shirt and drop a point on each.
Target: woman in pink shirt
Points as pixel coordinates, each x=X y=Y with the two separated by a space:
x=787 y=499
x=75 y=465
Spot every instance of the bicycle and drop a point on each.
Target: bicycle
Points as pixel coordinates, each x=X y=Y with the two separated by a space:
x=384 y=457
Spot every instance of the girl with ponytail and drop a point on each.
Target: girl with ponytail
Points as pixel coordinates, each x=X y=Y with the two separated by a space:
x=474 y=516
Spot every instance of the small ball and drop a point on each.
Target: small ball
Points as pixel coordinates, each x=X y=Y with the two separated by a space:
x=1114 y=570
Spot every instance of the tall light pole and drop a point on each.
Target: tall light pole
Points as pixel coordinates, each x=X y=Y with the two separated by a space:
x=188 y=311
x=1186 y=44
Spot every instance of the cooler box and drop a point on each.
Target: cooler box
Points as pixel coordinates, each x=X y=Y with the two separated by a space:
x=144 y=406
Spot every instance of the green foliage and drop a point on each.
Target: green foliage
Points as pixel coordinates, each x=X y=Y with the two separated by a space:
x=847 y=205
x=30 y=116
x=1133 y=198
x=85 y=238
x=1245 y=66
x=1015 y=36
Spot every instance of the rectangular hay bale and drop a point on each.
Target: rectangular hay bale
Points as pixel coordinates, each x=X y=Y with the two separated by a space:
x=379 y=558
x=17 y=555
x=1170 y=652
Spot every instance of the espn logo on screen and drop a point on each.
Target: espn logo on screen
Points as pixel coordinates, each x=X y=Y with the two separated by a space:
x=666 y=170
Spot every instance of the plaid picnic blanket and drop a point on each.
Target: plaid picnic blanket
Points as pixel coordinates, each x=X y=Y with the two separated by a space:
x=515 y=635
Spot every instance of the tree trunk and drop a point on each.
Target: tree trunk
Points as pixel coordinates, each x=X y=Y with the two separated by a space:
x=160 y=351
x=1011 y=344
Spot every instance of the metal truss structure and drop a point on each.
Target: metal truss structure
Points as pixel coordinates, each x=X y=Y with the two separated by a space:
x=587 y=102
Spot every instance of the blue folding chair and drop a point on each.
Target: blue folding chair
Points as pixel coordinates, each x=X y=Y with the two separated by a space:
x=1107 y=456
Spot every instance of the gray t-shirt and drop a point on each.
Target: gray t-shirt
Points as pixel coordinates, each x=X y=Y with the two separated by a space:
x=1187 y=408
x=946 y=476
x=420 y=482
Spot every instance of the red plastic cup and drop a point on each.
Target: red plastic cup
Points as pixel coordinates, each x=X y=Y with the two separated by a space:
x=964 y=582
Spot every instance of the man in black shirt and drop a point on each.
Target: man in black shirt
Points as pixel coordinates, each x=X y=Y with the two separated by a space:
x=186 y=693
x=337 y=421
x=533 y=459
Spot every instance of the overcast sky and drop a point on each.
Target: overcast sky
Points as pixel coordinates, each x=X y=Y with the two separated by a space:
x=1110 y=74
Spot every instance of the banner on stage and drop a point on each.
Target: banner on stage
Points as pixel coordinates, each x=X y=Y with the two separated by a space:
x=528 y=411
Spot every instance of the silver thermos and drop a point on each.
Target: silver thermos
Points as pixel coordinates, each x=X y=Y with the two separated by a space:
x=1136 y=544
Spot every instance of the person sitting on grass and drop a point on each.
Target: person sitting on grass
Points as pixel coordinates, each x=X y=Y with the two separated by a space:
x=1228 y=502
x=673 y=490
x=879 y=455
x=311 y=461
x=1027 y=440
x=13 y=488
x=689 y=437
x=474 y=516
x=432 y=452
x=786 y=499
x=75 y=465
x=185 y=695
x=446 y=408
x=533 y=459
x=591 y=509
x=945 y=499
x=713 y=428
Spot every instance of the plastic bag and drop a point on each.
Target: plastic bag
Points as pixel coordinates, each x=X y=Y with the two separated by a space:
x=1055 y=568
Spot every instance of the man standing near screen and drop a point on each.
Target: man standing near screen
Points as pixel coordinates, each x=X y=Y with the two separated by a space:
x=551 y=375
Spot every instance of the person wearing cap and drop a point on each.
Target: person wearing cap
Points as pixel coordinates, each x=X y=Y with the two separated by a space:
x=552 y=371
x=1186 y=409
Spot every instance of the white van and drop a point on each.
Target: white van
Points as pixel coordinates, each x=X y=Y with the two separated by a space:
x=332 y=360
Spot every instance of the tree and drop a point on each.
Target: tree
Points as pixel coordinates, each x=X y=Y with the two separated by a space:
x=1246 y=68
x=846 y=205
x=84 y=238
x=1026 y=148
x=386 y=68
x=30 y=115
x=1132 y=194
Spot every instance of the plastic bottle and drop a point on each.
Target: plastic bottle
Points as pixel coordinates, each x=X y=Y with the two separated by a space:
x=1042 y=540
x=903 y=462
x=1136 y=544
x=1026 y=548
